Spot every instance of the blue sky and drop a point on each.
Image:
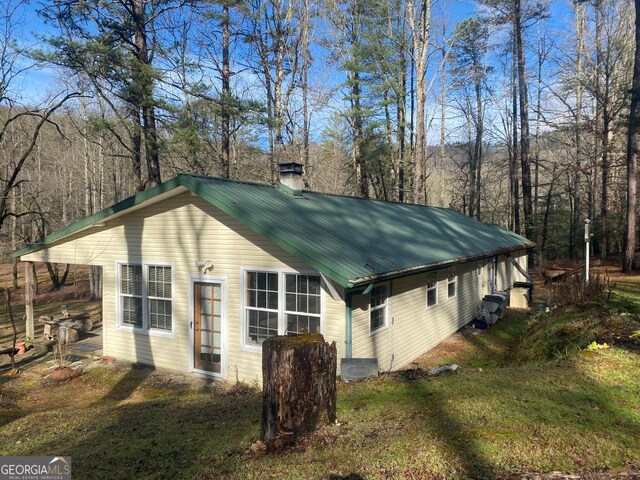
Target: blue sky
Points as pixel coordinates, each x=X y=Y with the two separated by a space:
x=37 y=83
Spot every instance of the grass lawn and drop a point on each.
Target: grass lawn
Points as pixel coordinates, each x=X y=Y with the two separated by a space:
x=578 y=412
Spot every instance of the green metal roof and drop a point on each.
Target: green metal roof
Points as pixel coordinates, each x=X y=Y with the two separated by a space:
x=350 y=240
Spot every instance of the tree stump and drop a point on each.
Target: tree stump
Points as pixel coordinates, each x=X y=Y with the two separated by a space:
x=299 y=385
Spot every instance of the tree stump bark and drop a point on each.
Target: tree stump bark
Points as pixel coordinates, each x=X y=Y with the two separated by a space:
x=299 y=386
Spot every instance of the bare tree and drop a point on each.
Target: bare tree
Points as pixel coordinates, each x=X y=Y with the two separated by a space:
x=275 y=41
x=633 y=149
x=419 y=16
x=15 y=115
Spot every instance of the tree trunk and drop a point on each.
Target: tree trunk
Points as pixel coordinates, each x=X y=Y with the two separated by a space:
x=144 y=98
x=420 y=28
x=359 y=163
x=14 y=337
x=477 y=150
x=14 y=274
x=306 y=62
x=514 y=140
x=226 y=93
x=95 y=282
x=575 y=221
x=401 y=105
x=604 y=199
x=523 y=95
x=299 y=386
x=633 y=146
x=57 y=280
x=136 y=149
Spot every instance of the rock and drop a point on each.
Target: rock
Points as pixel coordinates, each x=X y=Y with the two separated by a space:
x=67 y=335
x=65 y=373
x=259 y=448
x=96 y=319
x=443 y=369
x=108 y=360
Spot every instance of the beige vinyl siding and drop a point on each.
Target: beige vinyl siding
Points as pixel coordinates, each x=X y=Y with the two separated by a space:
x=413 y=328
x=508 y=273
x=503 y=274
x=522 y=259
x=183 y=230
x=365 y=344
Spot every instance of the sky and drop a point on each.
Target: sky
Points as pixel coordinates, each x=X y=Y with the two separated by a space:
x=37 y=84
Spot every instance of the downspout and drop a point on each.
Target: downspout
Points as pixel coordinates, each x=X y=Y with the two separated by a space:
x=348 y=334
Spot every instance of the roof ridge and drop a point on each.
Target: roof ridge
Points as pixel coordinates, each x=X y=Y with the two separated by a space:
x=315 y=192
x=230 y=180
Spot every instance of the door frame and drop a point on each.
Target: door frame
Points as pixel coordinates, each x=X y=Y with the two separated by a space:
x=222 y=280
x=492 y=274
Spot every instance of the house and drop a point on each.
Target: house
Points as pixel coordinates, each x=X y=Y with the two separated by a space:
x=198 y=271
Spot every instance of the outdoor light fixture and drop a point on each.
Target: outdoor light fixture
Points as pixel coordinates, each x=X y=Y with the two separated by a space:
x=204 y=266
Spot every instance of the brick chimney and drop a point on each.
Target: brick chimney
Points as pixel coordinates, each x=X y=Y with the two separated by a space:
x=291 y=176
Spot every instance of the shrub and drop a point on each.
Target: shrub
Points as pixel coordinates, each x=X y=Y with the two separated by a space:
x=573 y=290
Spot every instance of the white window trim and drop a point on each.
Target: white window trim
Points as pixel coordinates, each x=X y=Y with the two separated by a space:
x=386 y=311
x=436 y=288
x=244 y=345
x=455 y=282
x=145 y=330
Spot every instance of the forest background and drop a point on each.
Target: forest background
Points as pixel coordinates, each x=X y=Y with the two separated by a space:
x=515 y=112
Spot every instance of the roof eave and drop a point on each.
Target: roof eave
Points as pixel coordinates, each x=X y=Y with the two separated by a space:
x=101 y=216
x=379 y=277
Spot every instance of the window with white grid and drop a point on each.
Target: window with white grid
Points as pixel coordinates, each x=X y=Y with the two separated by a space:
x=302 y=303
x=131 y=295
x=261 y=306
x=378 y=308
x=159 y=297
x=145 y=297
x=452 y=285
x=280 y=303
x=432 y=293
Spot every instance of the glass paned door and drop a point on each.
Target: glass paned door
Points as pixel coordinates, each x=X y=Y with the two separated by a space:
x=208 y=326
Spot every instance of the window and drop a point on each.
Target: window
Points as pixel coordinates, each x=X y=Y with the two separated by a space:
x=145 y=296
x=432 y=293
x=159 y=297
x=378 y=308
x=302 y=303
x=280 y=303
x=261 y=306
x=452 y=285
x=131 y=294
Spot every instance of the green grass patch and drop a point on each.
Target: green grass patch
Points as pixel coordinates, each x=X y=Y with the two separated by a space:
x=561 y=333
x=496 y=418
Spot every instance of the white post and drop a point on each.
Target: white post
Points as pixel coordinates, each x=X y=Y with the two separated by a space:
x=586 y=250
x=29 y=291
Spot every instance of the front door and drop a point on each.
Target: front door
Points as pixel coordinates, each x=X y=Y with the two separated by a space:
x=208 y=321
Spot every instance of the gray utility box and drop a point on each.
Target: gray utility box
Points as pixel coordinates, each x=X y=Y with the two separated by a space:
x=354 y=368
